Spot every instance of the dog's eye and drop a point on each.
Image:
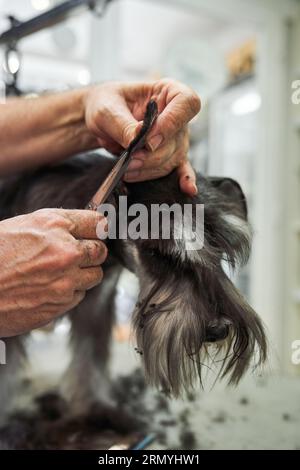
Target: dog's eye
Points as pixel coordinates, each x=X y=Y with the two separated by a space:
x=217 y=331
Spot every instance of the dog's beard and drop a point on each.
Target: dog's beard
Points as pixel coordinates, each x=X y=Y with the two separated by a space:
x=187 y=301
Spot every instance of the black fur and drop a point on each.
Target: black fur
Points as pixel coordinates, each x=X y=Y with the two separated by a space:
x=184 y=302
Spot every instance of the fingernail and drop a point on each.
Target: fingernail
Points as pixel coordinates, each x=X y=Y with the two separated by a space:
x=102 y=229
x=155 y=142
x=131 y=175
x=135 y=164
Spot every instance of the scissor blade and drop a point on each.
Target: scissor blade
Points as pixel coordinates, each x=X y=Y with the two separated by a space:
x=110 y=182
x=123 y=161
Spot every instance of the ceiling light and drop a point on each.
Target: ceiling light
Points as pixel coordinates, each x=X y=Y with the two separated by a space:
x=13 y=62
x=246 y=104
x=84 y=77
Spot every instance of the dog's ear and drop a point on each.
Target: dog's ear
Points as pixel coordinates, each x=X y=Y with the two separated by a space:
x=233 y=193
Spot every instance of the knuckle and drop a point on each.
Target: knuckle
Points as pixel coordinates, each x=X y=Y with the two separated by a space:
x=42 y=215
x=49 y=218
x=64 y=288
x=95 y=114
x=169 y=82
x=69 y=256
x=41 y=212
x=102 y=109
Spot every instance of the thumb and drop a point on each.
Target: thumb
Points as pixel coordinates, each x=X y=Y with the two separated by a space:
x=127 y=132
x=119 y=124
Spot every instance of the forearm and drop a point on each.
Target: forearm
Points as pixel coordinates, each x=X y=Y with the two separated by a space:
x=42 y=130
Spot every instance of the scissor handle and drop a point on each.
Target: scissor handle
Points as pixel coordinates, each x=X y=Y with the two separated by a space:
x=123 y=161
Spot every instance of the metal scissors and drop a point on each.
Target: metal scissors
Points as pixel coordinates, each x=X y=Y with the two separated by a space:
x=120 y=167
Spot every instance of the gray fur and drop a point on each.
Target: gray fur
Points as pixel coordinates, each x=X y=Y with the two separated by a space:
x=183 y=300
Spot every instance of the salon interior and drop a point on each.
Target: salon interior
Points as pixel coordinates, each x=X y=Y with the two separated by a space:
x=242 y=57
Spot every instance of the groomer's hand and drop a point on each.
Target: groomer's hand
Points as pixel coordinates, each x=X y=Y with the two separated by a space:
x=49 y=259
x=114 y=113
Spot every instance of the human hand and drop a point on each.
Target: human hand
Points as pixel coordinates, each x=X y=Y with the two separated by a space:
x=49 y=259
x=114 y=113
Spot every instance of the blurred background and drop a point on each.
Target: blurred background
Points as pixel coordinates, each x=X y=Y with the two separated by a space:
x=243 y=59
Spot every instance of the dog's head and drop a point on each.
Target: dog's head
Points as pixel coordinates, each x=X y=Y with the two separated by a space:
x=186 y=300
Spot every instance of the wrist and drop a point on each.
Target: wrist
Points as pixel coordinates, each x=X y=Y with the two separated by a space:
x=81 y=96
x=76 y=100
x=79 y=102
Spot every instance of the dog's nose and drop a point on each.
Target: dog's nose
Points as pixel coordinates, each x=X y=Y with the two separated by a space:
x=217 y=331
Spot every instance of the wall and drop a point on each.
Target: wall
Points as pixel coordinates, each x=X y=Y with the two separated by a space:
x=292 y=219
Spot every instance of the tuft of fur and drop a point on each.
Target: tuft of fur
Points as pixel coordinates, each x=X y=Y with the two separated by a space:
x=183 y=298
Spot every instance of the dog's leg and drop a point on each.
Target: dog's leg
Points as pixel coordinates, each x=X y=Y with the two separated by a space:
x=87 y=378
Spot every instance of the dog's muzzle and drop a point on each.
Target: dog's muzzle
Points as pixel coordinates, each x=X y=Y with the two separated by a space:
x=218 y=330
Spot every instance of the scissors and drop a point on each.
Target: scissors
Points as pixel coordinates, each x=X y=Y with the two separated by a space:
x=120 y=167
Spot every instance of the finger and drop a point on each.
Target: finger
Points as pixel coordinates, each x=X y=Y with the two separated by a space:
x=93 y=253
x=84 y=223
x=151 y=173
x=157 y=159
x=110 y=145
x=46 y=313
x=50 y=312
x=135 y=164
x=133 y=176
x=163 y=161
x=187 y=178
x=119 y=123
x=169 y=152
x=64 y=304
x=78 y=297
x=160 y=162
x=182 y=104
x=89 y=278
x=138 y=159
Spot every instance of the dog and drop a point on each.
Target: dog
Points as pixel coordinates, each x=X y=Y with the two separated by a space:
x=186 y=300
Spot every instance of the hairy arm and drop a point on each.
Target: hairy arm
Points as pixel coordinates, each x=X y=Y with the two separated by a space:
x=43 y=130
